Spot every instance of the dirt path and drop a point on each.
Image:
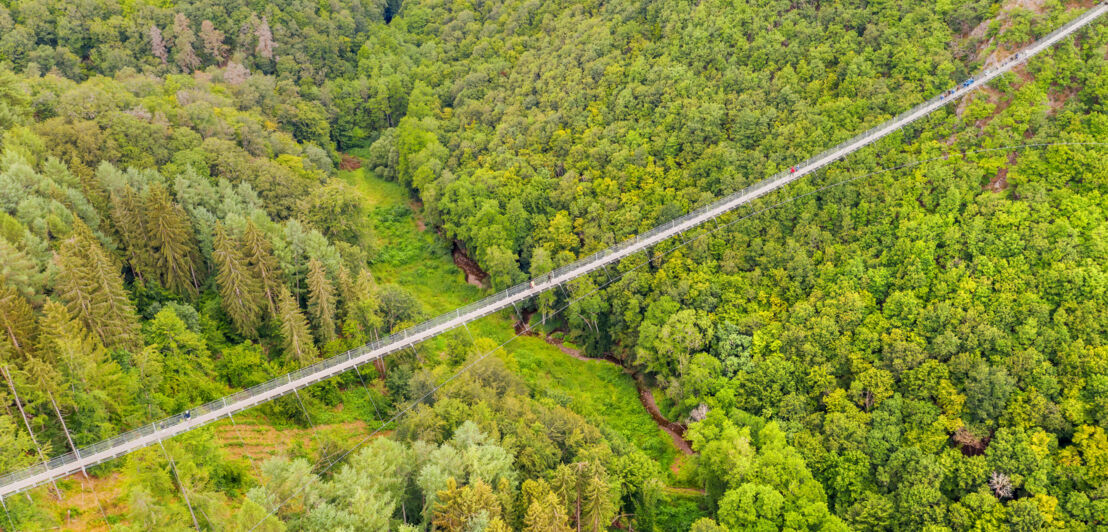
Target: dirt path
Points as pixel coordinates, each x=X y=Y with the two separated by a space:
x=474 y=274
x=676 y=431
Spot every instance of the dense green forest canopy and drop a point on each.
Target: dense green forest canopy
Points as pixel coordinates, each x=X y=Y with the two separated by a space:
x=919 y=349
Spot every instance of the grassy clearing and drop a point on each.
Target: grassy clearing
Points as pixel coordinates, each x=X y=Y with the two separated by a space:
x=413 y=258
x=599 y=391
x=421 y=263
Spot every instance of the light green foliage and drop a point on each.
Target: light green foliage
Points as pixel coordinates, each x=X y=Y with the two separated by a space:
x=91 y=390
x=758 y=482
x=321 y=301
x=19 y=450
x=175 y=365
x=239 y=290
x=873 y=355
x=171 y=242
x=92 y=289
x=259 y=254
x=296 y=336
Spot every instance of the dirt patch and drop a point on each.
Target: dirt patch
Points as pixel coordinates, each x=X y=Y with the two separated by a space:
x=1057 y=99
x=999 y=182
x=474 y=274
x=675 y=430
x=523 y=326
x=417 y=207
x=349 y=162
x=970 y=443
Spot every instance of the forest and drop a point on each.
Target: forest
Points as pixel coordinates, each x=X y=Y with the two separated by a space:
x=197 y=196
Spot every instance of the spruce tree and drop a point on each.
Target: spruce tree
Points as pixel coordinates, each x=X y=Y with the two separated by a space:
x=19 y=271
x=128 y=220
x=597 y=507
x=239 y=289
x=17 y=321
x=172 y=242
x=546 y=514
x=362 y=303
x=321 y=301
x=92 y=288
x=294 y=329
x=259 y=255
x=65 y=343
x=346 y=292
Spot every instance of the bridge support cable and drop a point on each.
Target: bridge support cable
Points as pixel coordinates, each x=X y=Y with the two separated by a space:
x=8 y=514
x=368 y=392
x=307 y=416
x=184 y=491
x=84 y=471
x=375 y=351
x=27 y=423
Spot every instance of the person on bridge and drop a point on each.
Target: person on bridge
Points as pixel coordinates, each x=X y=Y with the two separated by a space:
x=188 y=415
x=792 y=169
x=532 y=284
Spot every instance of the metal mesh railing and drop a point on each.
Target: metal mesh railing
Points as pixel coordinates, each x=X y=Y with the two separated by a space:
x=125 y=442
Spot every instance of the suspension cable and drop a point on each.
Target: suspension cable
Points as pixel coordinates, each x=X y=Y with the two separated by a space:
x=184 y=491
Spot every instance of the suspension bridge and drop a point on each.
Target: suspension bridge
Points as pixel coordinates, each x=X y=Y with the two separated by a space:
x=153 y=434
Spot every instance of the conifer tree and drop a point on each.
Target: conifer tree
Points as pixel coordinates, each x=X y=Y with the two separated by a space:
x=362 y=305
x=92 y=289
x=321 y=301
x=19 y=271
x=346 y=291
x=213 y=40
x=546 y=514
x=239 y=289
x=294 y=329
x=66 y=344
x=458 y=507
x=597 y=506
x=65 y=347
x=128 y=219
x=157 y=44
x=17 y=321
x=259 y=255
x=584 y=489
x=172 y=242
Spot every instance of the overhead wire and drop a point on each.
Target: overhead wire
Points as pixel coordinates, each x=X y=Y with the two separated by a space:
x=184 y=491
